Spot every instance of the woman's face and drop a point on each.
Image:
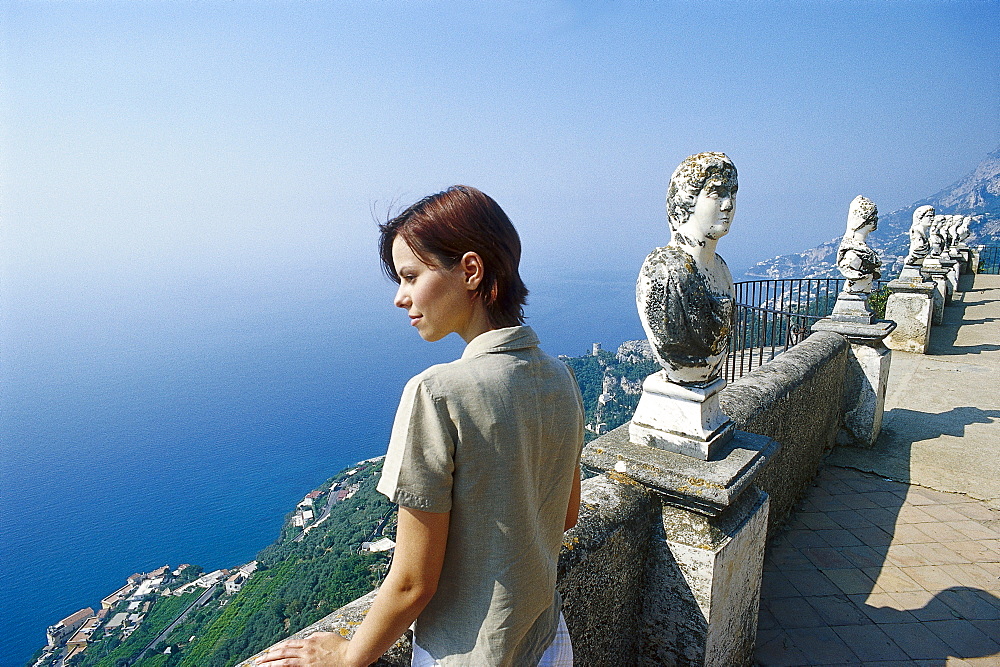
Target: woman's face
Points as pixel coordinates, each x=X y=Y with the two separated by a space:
x=438 y=300
x=713 y=212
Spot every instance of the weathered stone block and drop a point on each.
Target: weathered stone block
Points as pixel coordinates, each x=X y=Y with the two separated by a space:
x=953 y=274
x=705 y=487
x=910 y=271
x=864 y=393
x=703 y=587
x=911 y=307
x=932 y=270
x=865 y=380
x=942 y=268
x=966 y=260
x=602 y=570
x=680 y=418
x=852 y=308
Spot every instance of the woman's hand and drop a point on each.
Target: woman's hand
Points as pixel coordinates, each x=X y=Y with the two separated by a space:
x=421 y=539
x=323 y=649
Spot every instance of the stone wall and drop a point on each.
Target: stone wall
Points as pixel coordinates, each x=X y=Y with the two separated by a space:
x=602 y=570
x=796 y=399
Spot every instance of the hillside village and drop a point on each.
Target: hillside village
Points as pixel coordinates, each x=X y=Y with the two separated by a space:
x=611 y=383
x=122 y=613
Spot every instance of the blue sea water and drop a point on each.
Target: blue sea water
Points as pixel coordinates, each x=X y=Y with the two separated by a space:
x=131 y=438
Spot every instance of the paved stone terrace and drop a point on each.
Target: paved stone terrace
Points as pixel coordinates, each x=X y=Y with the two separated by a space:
x=872 y=571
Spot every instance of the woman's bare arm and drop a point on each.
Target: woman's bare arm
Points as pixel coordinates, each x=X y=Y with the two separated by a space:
x=409 y=586
x=573 y=509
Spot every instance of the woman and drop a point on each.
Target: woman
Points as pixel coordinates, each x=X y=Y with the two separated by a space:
x=483 y=459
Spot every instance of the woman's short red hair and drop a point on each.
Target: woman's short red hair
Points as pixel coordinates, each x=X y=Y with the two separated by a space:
x=441 y=228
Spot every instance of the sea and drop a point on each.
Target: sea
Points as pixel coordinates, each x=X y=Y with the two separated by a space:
x=133 y=437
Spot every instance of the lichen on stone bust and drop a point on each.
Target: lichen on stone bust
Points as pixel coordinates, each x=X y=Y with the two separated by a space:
x=684 y=289
x=935 y=235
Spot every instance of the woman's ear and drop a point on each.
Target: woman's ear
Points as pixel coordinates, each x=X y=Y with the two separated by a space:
x=472 y=270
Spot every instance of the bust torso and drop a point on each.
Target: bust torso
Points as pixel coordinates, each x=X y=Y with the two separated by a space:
x=687 y=313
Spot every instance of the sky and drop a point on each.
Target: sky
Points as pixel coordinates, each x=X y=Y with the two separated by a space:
x=162 y=144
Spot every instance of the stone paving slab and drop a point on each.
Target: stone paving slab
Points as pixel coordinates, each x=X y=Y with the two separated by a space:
x=871 y=571
x=941 y=427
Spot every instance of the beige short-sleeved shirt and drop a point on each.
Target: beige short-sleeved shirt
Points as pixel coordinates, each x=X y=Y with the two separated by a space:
x=494 y=438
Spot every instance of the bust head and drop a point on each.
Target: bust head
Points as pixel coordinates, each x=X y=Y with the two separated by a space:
x=963 y=229
x=862 y=217
x=701 y=196
x=922 y=219
x=949 y=229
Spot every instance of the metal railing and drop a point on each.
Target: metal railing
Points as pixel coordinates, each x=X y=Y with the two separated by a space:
x=774 y=315
x=989 y=259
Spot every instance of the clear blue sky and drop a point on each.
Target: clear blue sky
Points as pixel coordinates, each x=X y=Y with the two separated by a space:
x=171 y=172
x=152 y=142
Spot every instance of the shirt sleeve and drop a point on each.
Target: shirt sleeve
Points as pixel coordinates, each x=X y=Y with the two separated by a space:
x=421 y=458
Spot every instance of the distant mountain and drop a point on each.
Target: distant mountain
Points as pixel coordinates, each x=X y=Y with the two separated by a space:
x=976 y=194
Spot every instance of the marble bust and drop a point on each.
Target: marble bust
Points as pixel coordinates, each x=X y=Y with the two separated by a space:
x=936 y=236
x=684 y=292
x=956 y=229
x=945 y=230
x=856 y=261
x=963 y=229
x=919 y=246
x=949 y=230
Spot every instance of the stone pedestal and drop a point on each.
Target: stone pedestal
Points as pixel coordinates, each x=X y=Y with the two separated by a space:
x=910 y=271
x=974 y=260
x=952 y=277
x=680 y=418
x=966 y=260
x=910 y=306
x=706 y=580
x=939 y=276
x=852 y=308
x=702 y=592
x=866 y=378
x=962 y=263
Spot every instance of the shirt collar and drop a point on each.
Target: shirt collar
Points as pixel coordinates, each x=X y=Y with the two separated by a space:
x=501 y=340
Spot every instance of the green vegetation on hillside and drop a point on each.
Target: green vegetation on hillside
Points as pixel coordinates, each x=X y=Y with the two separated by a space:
x=622 y=375
x=109 y=652
x=298 y=582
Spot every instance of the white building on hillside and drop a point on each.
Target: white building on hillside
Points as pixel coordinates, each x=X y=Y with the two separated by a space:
x=65 y=628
